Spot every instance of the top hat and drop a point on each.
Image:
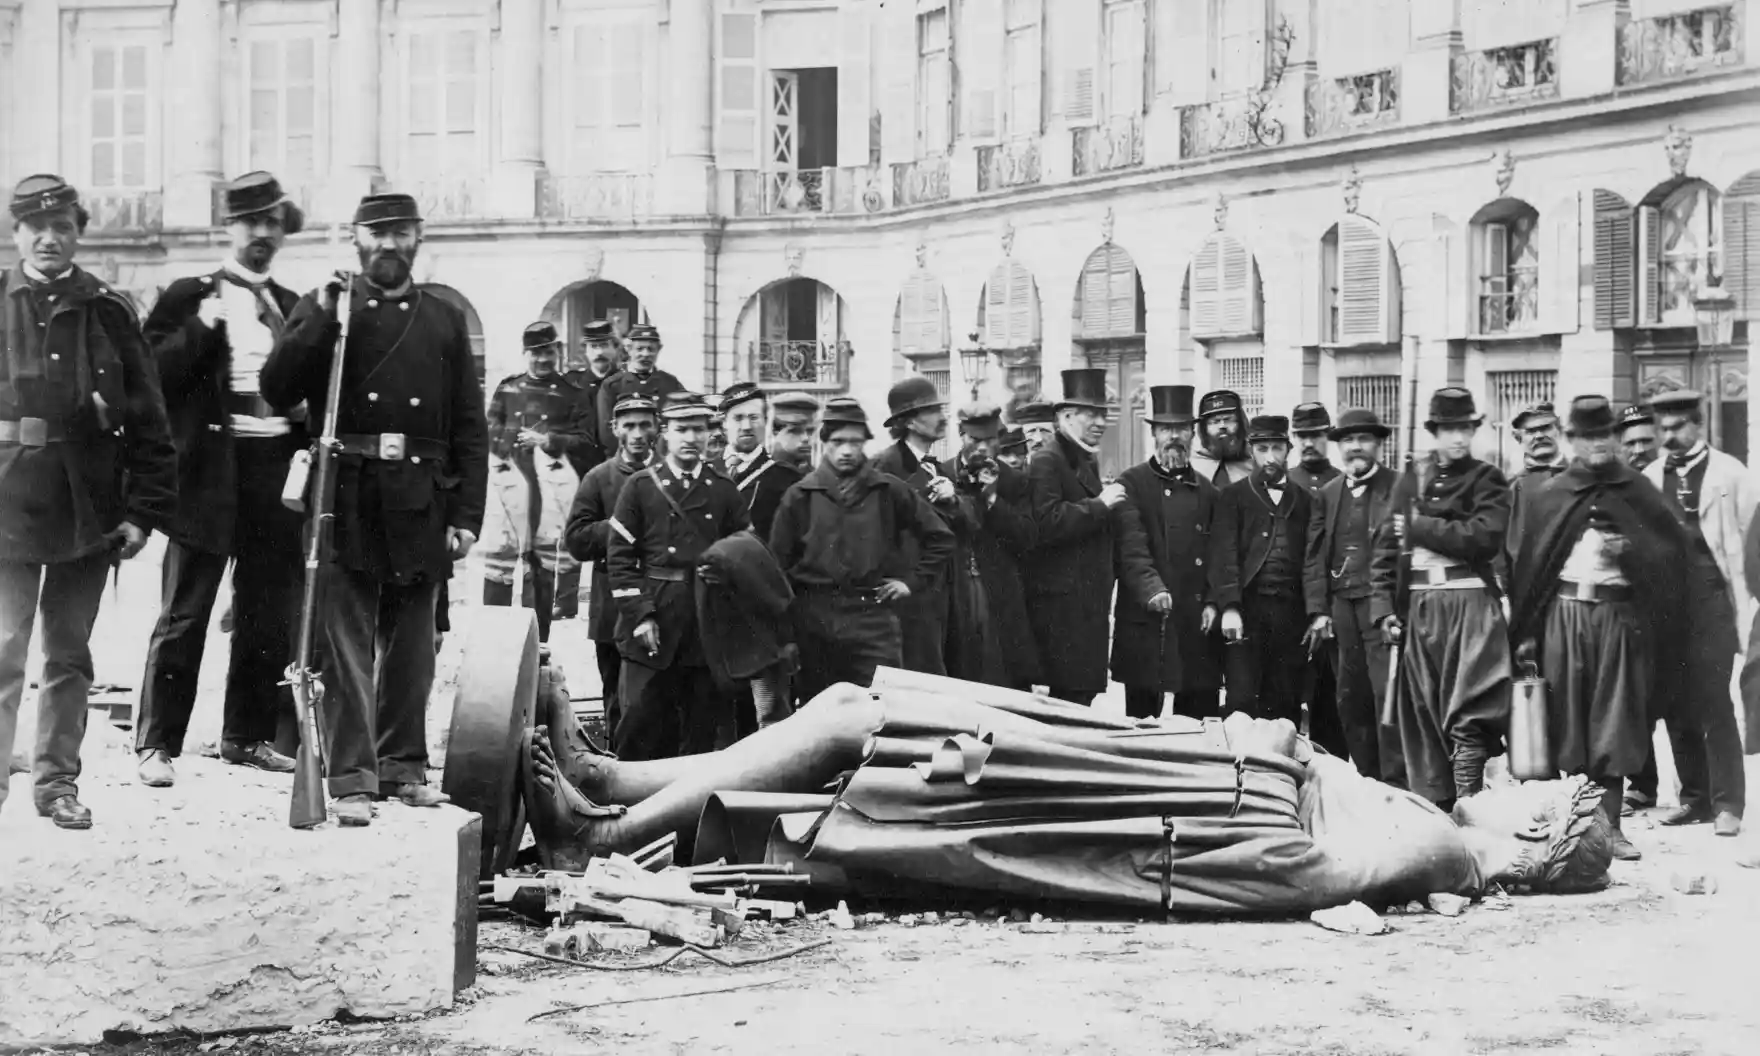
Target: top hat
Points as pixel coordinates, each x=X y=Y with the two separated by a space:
x=598 y=330
x=388 y=208
x=1358 y=420
x=981 y=421
x=740 y=392
x=1219 y=401
x=1590 y=414
x=1452 y=406
x=1268 y=427
x=1036 y=412
x=1170 y=405
x=539 y=335
x=844 y=410
x=1536 y=416
x=1677 y=400
x=1083 y=387
x=912 y=394
x=1011 y=439
x=793 y=407
x=44 y=193
x=635 y=403
x=260 y=192
x=1636 y=414
x=680 y=405
x=1310 y=418
x=642 y=332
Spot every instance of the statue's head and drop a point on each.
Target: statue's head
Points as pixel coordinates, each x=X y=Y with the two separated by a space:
x=1558 y=839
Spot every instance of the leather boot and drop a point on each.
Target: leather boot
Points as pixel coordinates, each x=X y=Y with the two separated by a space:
x=569 y=829
x=1469 y=771
x=495 y=593
x=1611 y=803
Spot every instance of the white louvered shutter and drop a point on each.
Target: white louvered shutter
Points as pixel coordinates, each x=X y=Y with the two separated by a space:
x=1239 y=291
x=1205 y=296
x=1362 y=271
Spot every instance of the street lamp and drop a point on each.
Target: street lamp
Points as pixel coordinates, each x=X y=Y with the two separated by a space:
x=1714 y=313
x=973 y=358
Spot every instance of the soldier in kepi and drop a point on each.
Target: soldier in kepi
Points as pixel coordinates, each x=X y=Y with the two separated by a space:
x=87 y=471
x=210 y=335
x=411 y=476
x=600 y=360
x=640 y=376
x=537 y=421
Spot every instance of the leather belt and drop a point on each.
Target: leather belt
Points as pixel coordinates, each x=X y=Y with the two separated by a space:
x=1594 y=593
x=867 y=594
x=392 y=447
x=33 y=432
x=251 y=404
x=1435 y=577
x=669 y=575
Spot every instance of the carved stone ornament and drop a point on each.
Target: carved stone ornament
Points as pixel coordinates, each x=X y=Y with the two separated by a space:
x=794 y=256
x=1008 y=238
x=922 y=252
x=593 y=263
x=1353 y=190
x=1220 y=210
x=1106 y=222
x=1677 y=143
x=1506 y=171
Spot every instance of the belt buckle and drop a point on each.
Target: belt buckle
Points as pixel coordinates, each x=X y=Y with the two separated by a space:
x=33 y=432
x=1435 y=576
x=1585 y=592
x=391 y=446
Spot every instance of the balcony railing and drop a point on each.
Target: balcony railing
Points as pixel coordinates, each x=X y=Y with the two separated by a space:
x=1662 y=49
x=125 y=212
x=840 y=191
x=1510 y=304
x=596 y=196
x=1341 y=105
x=1118 y=144
x=921 y=182
x=1012 y=164
x=798 y=364
x=1244 y=123
x=1522 y=73
x=450 y=198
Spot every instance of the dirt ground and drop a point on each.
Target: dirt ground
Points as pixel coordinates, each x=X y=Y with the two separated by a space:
x=1637 y=969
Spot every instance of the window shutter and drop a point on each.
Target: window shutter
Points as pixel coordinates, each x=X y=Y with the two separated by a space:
x=996 y=308
x=898 y=117
x=1239 y=293
x=1561 y=267
x=1649 y=270
x=1023 y=308
x=980 y=65
x=910 y=317
x=1205 y=299
x=1080 y=44
x=1362 y=270
x=1096 y=289
x=1313 y=296
x=1496 y=261
x=737 y=130
x=1122 y=293
x=854 y=92
x=933 y=338
x=1741 y=247
x=1126 y=51
x=1460 y=285
x=1613 y=261
x=1182 y=48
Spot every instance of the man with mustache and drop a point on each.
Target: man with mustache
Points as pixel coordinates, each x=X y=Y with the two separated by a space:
x=87 y=471
x=1037 y=423
x=538 y=425
x=1712 y=493
x=1436 y=588
x=1171 y=564
x=1311 y=425
x=1069 y=583
x=1599 y=592
x=917 y=420
x=411 y=477
x=210 y=336
x=590 y=526
x=601 y=357
x=1542 y=460
x=640 y=376
x=1221 y=454
x=670 y=513
x=1637 y=436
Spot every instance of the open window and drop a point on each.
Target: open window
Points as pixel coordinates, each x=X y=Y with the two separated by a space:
x=1506 y=265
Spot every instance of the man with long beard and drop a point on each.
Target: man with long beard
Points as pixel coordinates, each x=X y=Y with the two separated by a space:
x=411 y=477
x=1221 y=454
x=210 y=335
x=917 y=420
x=1599 y=592
x=1171 y=564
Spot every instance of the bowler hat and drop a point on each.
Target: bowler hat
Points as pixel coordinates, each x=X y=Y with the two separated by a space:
x=1590 y=414
x=981 y=421
x=1636 y=414
x=679 y=405
x=1083 y=387
x=1310 y=418
x=1267 y=427
x=844 y=410
x=912 y=394
x=259 y=192
x=539 y=335
x=45 y=193
x=1452 y=406
x=388 y=208
x=793 y=407
x=1676 y=401
x=1011 y=439
x=598 y=330
x=1170 y=405
x=1358 y=420
x=635 y=403
x=1536 y=416
x=739 y=392
x=1036 y=412
x=1219 y=401
x=643 y=332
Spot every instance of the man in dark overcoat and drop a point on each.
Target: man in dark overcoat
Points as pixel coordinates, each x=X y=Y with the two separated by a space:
x=590 y=526
x=210 y=335
x=917 y=420
x=1599 y=601
x=411 y=476
x=598 y=360
x=1170 y=569
x=1220 y=455
x=1311 y=426
x=87 y=471
x=996 y=644
x=640 y=376
x=765 y=477
x=1537 y=428
x=1069 y=584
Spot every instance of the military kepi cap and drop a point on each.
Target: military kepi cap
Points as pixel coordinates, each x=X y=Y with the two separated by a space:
x=1636 y=414
x=1676 y=401
x=1012 y=439
x=539 y=335
x=740 y=392
x=634 y=403
x=1310 y=418
x=260 y=192
x=45 y=193
x=1220 y=401
x=1268 y=427
x=642 y=332
x=793 y=407
x=598 y=330
x=389 y=208
x=675 y=406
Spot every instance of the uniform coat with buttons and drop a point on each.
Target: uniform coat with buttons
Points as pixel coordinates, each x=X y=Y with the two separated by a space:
x=1069 y=583
x=655 y=385
x=589 y=537
x=763 y=481
x=590 y=454
x=1167 y=541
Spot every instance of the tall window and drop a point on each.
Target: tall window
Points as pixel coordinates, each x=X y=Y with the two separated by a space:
x=1509 y=273
x=1022 y=59
x=1240 y=41
x=120 y=117
x=1689 y=249
x=1126 y=49
x=606 y=100
x=283 y=126
x=934 y=84
x=444 y=83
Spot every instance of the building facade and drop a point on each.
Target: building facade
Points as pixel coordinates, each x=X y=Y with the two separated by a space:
x=1296 y=199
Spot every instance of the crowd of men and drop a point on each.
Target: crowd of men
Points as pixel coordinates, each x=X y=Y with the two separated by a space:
x=748 y=550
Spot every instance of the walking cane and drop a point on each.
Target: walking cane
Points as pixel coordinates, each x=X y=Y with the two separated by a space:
x=1160 y=665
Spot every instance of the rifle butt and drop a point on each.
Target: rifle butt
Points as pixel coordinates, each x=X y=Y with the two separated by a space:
x=308 y=807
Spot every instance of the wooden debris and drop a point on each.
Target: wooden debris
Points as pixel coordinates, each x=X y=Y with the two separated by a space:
x=694 y=926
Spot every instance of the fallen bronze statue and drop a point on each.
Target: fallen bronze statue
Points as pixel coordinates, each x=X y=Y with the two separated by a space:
x=930 y=784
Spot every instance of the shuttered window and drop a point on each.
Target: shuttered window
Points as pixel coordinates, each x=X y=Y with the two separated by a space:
x=1240 y=44
x=1366 y=302
x=1109 y=299
x=736 y=130
x=1078 y=42
x=934 y=84
x=980 y=65
x=1613 y=261
x=1127 y=49
x=1688 y=256
x=1741 y=245
x=1024 y=64
x=922 y=317
x=1224 y=294
x=1011 y=308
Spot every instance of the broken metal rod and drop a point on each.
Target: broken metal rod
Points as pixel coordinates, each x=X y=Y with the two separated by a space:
x=668 y=840
x=750 y=880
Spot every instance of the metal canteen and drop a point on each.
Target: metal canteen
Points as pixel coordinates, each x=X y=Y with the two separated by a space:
x=1530 y=753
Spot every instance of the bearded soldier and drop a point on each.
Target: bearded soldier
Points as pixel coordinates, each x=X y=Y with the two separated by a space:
x=1221 y=454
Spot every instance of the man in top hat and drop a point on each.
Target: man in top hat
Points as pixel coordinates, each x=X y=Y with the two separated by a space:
x=640 y=376
x=1011 y=448
x=1637 y=436
x=538 y=426
x=411 y=479
x=989 y=639
x=1311 y=425
x=765 y=477
x=210 y=335
x=87 y=471
x=1038 y=423
x=1170 y=568
x=917 y=420
x=1264 y=527
x=1598 y=600
x=1713 y=495
x=1221 y=455
x=598 y=359
x=672 y=511
x=1341 y=533
x=636 y=421
x=1069 y=585
x=1436 y=598
x=1542 y=459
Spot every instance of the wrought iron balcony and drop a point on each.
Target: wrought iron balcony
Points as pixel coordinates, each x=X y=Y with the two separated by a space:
x=921 y=182
x=1118 y=144
x=798 y=364
x=1012 y=164
x=1673 y=46
x=451 y=198
x=1510 y=304
x=1341 y=105
x=125 y=212
x=1522 y=73
x=1243 y=123
x=854 y=189
x=596 y=196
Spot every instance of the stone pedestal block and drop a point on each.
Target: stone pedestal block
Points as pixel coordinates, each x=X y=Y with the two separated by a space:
x=198 y=908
